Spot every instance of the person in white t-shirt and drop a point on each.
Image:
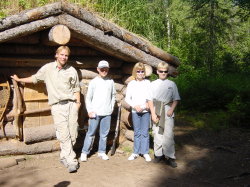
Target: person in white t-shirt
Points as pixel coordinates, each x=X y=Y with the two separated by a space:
x=100 y=100
x=166 y=93
x=139 y=97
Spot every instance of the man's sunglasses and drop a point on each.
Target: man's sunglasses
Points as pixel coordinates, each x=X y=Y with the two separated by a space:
x=162 y=71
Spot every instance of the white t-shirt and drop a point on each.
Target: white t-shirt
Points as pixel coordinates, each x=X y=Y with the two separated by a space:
x=138 y=93
x=100 y=96
x=165 y=90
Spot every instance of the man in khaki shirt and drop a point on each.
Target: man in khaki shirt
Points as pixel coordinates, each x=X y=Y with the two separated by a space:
x=63 y=89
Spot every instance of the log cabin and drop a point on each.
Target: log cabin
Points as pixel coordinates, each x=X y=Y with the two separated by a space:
x=29 y=39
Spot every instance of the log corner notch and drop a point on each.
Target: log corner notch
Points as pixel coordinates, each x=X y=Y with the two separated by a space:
x=57 y=35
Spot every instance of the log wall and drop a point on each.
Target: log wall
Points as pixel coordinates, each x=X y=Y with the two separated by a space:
x=24 y=56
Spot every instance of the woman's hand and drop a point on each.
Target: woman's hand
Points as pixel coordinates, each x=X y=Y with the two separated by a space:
x=138 y=108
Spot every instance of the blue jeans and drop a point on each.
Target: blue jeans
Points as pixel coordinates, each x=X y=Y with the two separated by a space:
x=104 y=122
x=141 y=132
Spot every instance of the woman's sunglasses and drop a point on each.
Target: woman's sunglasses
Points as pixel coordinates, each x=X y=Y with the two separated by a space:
x=140 y=71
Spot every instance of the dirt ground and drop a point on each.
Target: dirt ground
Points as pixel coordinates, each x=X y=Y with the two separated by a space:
x=204 y=159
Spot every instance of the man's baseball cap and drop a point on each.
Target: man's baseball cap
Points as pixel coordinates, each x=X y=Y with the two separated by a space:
x=103 y=64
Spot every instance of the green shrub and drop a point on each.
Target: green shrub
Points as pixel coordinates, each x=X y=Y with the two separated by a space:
x=205 y=93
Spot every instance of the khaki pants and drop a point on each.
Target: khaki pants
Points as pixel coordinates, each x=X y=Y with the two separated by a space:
x=65 y=119
x=164 y=143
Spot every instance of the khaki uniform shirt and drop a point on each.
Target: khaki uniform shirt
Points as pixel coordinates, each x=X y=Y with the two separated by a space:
x=61 y=83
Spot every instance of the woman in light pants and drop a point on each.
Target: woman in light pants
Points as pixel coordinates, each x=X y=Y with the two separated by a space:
x=139 y=97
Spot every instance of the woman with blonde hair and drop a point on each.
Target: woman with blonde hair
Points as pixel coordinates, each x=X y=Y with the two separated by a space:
x=139 y=97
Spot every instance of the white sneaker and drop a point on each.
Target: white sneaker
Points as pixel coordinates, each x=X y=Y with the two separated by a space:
x=133 y=156
x=147 y=157
x=103 y=156
x=83 y=157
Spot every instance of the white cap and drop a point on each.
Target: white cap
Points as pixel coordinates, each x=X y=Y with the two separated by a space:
x=103 y=64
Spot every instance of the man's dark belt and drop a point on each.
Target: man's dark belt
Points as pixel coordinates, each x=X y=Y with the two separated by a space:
x=64 y=102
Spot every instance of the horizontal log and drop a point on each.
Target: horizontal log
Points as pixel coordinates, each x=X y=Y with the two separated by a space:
x=39 y=50
x=28 y=112
x=30 y=39
x=107 y=44
x=38 y=133
x=27 y=29
x=92 y=73
x=77 y=62
x=30 y=15
x=118 y=86
x=92 y=19
x=18 y=148
x=127 y=68
x=9 y=130
x=122 y=34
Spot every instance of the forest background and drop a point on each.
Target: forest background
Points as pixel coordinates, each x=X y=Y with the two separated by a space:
x=210 y=37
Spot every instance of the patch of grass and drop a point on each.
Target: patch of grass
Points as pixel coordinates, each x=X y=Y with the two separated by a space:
x=215 y=120
x=127 y=149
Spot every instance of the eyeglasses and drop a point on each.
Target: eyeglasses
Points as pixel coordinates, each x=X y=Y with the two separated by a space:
x=162 y=71
x=140 y=71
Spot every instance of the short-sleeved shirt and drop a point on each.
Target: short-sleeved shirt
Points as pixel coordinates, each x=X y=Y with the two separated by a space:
x=165 y=91
x=100 y=96
x=61 y=83
x=138 y=93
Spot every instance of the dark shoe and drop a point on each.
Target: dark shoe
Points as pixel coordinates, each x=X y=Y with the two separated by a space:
x=72 y=168
x=171 y=162
x=157 y=159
